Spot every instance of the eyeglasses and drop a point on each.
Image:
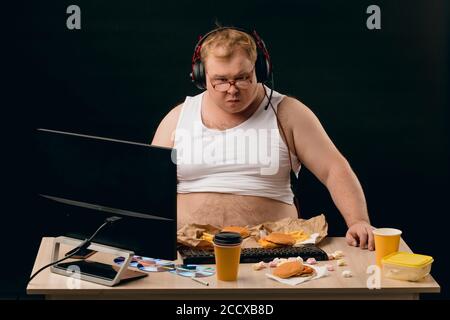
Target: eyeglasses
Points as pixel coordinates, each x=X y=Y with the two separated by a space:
x=224 y=85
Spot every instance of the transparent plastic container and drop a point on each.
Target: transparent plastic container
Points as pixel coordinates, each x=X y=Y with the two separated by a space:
x=406 y=266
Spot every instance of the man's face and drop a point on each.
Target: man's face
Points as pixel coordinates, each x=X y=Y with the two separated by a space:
x=237 y=67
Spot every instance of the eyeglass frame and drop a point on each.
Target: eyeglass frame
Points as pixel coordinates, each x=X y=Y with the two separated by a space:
x=249 y=80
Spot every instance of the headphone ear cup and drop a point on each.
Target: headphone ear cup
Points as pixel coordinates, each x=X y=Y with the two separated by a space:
x=262 y=67
x=198 y=76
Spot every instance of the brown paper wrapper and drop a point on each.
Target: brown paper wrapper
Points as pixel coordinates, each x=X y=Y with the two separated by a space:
x=190 y=235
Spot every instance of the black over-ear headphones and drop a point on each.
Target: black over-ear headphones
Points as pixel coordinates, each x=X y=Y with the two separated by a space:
x=263 y=66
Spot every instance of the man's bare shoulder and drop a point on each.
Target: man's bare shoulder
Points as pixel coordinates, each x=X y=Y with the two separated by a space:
x=294 y=113
x=174 y=113
x=171 y=119
x=164 y=134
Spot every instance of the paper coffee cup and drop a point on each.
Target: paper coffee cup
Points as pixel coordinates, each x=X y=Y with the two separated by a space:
x=227 y=251
x=387 y=241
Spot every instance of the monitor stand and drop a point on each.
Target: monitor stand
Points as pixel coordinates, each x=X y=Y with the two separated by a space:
x=93 y=271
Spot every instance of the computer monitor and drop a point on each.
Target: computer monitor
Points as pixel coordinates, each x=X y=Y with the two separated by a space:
x=85 y=179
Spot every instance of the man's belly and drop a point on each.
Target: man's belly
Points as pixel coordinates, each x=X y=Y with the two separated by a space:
x=222 y=209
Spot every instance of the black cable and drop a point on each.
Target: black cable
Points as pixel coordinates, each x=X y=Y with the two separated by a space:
x=84 y=245
x=296 y=203
x=51 y=264
x=272 y=85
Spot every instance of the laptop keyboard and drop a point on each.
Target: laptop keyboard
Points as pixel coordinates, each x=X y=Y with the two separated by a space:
x=253 y=255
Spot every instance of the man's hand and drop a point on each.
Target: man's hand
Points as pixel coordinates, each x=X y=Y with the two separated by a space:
x=360 y=232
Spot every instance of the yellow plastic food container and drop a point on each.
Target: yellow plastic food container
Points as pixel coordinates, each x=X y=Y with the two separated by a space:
x=406 y=266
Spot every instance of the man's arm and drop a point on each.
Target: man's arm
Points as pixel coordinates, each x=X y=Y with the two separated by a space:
x=165 y=134
x=317 y=152
x=347 y=194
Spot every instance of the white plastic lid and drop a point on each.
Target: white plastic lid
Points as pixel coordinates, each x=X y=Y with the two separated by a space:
x=387 y=232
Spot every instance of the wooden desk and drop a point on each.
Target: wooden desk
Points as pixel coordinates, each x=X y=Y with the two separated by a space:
x=250 y=285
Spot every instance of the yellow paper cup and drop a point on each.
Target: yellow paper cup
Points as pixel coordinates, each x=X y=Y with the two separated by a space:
x=227 y=251
x=387 y=241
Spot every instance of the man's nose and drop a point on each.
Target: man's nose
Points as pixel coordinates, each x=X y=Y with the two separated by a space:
x=233 y=89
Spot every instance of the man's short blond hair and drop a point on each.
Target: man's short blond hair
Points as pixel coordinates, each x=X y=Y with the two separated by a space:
x=228 y=40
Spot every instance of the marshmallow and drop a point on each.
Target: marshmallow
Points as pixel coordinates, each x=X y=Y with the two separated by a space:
x=341 y=263
x=347 y=274
x=338 y=254
x=311 y=261
x=300 y=259
x=330 y=267
x=273 y=264
x=260 y=265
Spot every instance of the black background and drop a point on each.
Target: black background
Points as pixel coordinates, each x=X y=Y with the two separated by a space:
x=380 y=94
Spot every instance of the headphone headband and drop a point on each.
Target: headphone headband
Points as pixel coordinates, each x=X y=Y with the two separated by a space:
x=263 y=66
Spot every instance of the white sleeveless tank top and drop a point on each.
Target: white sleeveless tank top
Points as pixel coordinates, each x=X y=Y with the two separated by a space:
x=248 y=159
